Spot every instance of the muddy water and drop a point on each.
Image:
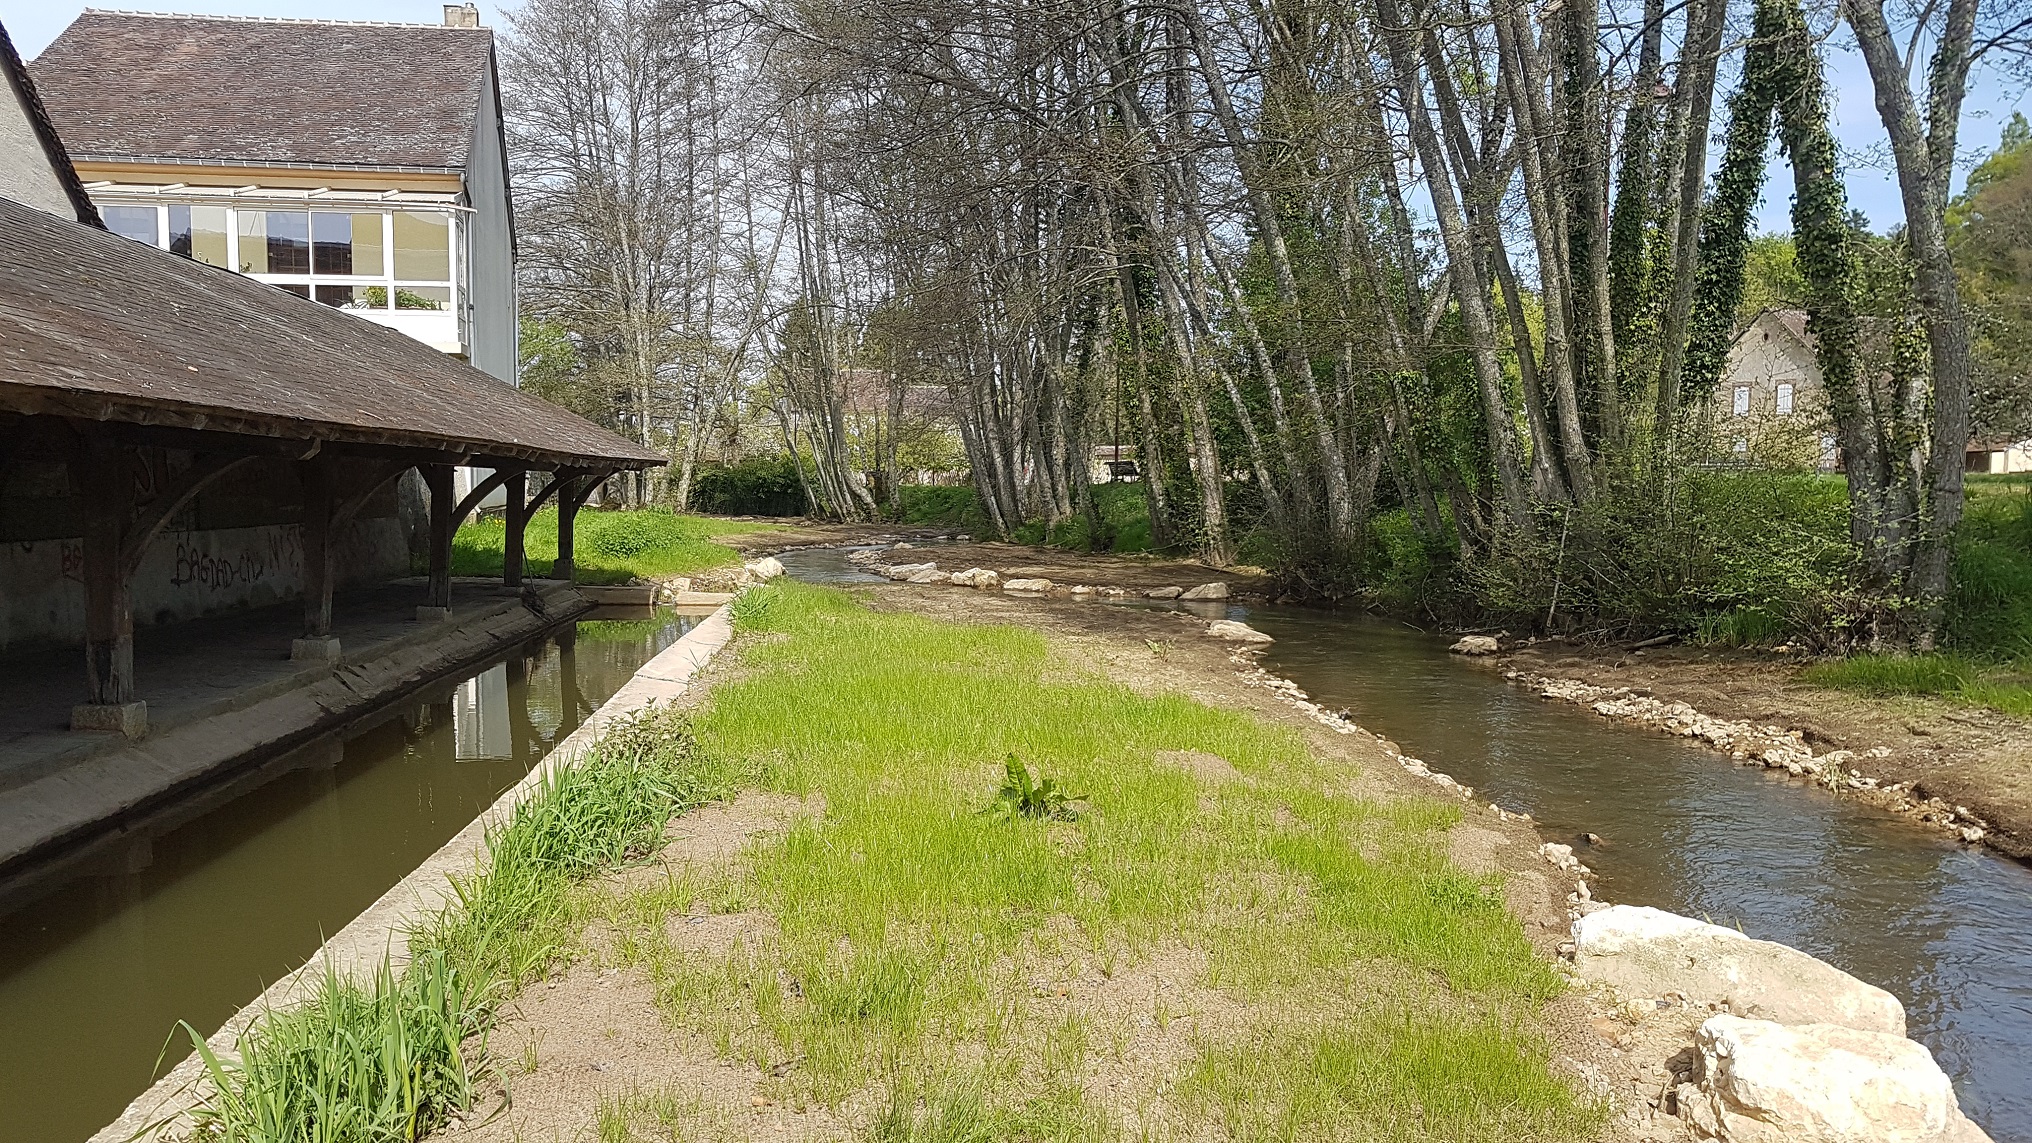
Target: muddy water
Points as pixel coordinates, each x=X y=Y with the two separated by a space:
x=1945 y=928
x=193 y=923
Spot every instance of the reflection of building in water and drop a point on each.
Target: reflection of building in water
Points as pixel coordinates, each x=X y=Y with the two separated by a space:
x=481 y=725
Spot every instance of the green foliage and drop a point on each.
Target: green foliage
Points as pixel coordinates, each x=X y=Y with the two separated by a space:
x=381 y=1061
x=757 y=486
x=1895 y=674
x=953 y=505
x=1990 y=232
x=389 y=1059
x=607 y=547
x=551 y=367
x=1021 y=796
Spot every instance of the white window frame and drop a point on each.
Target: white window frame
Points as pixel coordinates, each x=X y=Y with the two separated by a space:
x=1786 y=393
x=1741 y=407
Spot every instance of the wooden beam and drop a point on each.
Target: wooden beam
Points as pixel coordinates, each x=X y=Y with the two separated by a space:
x=148 y=519
x=517 y=487
x=568 y=503
x=105 y=474
x=480 y=493
x=320 y=508
x=438 y=478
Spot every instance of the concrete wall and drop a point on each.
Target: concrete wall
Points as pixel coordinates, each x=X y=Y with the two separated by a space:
x=25 y=173
x=184 y=575
x=495 y=339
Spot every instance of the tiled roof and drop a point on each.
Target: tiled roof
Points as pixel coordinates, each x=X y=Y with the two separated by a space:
x=222 y=90
x=15 y=73
x=94 y=325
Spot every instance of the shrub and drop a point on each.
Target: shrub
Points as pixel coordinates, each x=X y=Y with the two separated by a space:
x=757 y=486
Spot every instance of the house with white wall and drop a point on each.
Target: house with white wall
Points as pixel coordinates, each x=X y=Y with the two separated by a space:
x=358 y=165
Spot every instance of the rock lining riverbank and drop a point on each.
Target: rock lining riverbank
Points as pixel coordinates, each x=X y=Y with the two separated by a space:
x=1774 y=747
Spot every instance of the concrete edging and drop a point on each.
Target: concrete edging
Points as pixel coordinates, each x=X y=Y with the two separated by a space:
x=379 y=931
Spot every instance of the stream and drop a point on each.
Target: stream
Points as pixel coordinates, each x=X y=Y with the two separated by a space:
x=193 y=922
x=1946 y=928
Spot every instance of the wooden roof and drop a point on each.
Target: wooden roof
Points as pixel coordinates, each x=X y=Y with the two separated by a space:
x=96 y=326
x=219 y=89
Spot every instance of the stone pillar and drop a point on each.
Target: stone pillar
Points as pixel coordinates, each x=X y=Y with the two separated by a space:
x=517 y=491
x=317 y=644
x=438 y=478
x=107 y=482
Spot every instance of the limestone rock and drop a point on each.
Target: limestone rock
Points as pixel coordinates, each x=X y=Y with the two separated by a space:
x=1027 y=585
x=864 y=556
x=1164 y=593
x=903 y=571
x=1476 y=645
x=1215 y=590
x=1238 y=632
x=929 y=575
x=976 y=577
x=766 y=568
x=1649 y=952
x=1818 y=1083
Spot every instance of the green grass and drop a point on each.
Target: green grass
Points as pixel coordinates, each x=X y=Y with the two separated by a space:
x=1345 y=979
x=389 y=1059
x=607 y=547
x=1988 y=662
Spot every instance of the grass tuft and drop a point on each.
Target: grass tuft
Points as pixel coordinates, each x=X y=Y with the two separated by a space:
x=390 y=1058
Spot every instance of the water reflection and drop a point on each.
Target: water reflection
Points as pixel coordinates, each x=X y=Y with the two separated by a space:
x=188 y=918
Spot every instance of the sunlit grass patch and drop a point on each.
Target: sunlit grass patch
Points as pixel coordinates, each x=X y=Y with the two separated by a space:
x=607 y=546
x=2002 y=686
x=916 y=940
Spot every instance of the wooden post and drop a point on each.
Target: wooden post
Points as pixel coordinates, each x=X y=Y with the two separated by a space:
x=107 y=481
x=319 y=509
x=518 y=521
x=568 y=500
x=438 y=478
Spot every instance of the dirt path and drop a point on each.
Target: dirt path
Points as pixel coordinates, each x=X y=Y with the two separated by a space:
x=588 y=1051
x=1965 y=756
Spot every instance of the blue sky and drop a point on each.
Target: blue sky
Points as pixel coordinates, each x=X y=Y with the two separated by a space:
x=1872 y=187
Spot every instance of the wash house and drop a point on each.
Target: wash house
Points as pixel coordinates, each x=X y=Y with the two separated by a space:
x=178 y=439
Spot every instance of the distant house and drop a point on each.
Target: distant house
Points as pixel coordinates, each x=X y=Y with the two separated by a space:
x=1771 y=405
x=360 y=165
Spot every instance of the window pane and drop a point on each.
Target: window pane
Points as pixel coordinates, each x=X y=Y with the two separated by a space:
x=1742 y=406
x=347 y=244
x=253 y=227
x=136 y=222
x=198 y=232
x=288 y=241
x=297 y=288
x=423 y=247
x=423 y=297
x=1784 y=398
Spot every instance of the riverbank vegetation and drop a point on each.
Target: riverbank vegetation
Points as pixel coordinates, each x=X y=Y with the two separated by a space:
x=1344 y=979
x=607 y=546
x=390 y=1058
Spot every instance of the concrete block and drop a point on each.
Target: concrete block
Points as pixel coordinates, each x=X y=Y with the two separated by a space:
x=325 y=650
x=433 y=614
x=127 y=718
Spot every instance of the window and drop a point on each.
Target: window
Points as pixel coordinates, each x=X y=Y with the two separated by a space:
x=1741 y=446
x=136 y=222
x=423 y=247
x=347 y=244
x=199 y=232
x=1742 y=405
x=1784 y=398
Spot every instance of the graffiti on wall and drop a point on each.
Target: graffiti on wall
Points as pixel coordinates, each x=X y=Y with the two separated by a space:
x=277 y=551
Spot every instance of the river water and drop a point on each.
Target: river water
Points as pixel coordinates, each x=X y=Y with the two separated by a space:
x=1945 y=928
x=193 y=924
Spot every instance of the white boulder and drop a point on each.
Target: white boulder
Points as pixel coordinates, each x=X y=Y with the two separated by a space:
x=903 y=571
x=1763 y=1082
x=1238 y=632
x=1027 y=585
x=1476 y=645
x=928 y=575
x=976 y=577
x=1215 y=590
x=1164 y=593
x=766 y=568
x=1645 y=952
